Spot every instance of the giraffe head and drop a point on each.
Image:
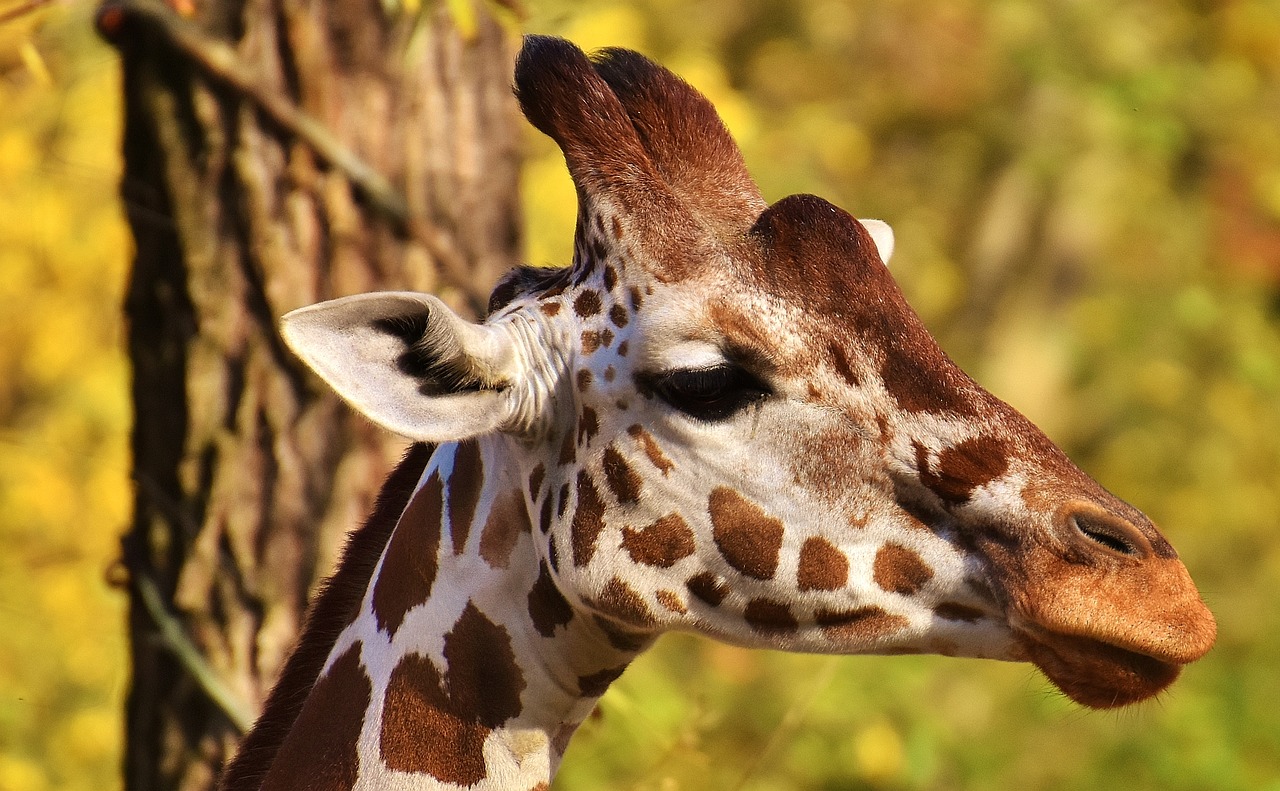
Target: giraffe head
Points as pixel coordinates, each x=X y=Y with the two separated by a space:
x=724 y=417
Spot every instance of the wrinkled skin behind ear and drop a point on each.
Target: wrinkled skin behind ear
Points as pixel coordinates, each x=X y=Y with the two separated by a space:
x=409 y=363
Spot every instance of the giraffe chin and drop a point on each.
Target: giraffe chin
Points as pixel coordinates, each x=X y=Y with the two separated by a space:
x=1097 y=674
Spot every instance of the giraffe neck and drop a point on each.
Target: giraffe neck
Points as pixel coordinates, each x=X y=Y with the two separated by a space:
x=465 y=666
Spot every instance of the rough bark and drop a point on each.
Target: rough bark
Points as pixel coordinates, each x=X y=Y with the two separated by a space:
x=238 y=119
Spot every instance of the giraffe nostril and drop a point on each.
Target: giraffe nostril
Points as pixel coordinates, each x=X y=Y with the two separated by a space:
x=1107 y=533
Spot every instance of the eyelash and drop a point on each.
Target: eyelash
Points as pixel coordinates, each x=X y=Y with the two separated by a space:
x=709 y=394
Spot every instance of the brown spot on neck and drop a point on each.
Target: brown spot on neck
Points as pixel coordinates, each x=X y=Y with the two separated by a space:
x=619 y=600
x=483 y=676
x=618 y=315
x=568 y=448
x=822 y=566
x=861 y=625
x=535 y=480
x=320 y=751
x=409 y=567
x=508 y=518
x=588 y=520
x=770 y=617
x=661 y=544
x=748 y=538
x=595 y=684
x=417 y=712
x=588 y=425
x=465 y=482
x=548 y=608
x=708 y=587
x=900 y=570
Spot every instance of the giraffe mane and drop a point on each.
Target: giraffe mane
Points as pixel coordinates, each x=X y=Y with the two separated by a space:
x=335 y=604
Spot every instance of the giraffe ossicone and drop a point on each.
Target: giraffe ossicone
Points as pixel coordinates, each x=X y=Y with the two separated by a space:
x=723 y=418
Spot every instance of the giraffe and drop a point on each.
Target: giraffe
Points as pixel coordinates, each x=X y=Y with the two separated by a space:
x=722 y=417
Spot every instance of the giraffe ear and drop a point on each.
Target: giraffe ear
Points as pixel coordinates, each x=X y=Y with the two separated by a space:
x=882 y=235
x=409 y=363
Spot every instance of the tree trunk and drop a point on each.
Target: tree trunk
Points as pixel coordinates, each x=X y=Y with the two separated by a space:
x=276 y=154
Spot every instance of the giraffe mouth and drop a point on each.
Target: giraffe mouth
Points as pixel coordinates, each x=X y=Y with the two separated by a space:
x=1094 y=673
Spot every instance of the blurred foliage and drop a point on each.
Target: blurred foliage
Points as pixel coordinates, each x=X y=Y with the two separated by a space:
x=1087 y=201
x=64 y=410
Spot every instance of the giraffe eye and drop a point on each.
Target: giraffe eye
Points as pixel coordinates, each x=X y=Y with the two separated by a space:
x=710 y=394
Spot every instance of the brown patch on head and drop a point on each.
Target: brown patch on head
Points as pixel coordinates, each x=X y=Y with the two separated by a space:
x=590 y=341
x=840 y=360
x=610 y=276
x=548 y=608
x=594 y=685
x=320 y=751
x=748 y=538
x=623 y=348
x=618 y=315
x=610 y=373
x=769 y=617
x=671 y=600
x=616 y=225
x=588 y=520
x=584 y=379
x=620 y=601
x=954 y=611
x=829 y=466
x=606 y=336
x=963 y=468
x=661 y=544
x=900 y=570
x=549 y=308
x=861 y=625
x=815 y=255
x=508 y=518
x=708 y=587
x=651 y=448
x=917 y=386
x=464 y=492
x=623 y=481
x=588 y=425
x=747 y=335
x=822 y=566
x=812 y=392
x=587 y=303
x=410 y=564
x=622 y=404
x=416 y=706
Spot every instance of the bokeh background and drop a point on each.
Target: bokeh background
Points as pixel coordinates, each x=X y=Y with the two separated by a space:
x=1086 y=195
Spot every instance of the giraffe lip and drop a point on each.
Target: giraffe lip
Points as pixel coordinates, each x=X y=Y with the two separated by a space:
x=1095 y=673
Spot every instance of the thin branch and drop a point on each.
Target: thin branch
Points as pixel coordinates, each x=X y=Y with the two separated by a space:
x=174 y=638
x=22 y=10
x=222 y=63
